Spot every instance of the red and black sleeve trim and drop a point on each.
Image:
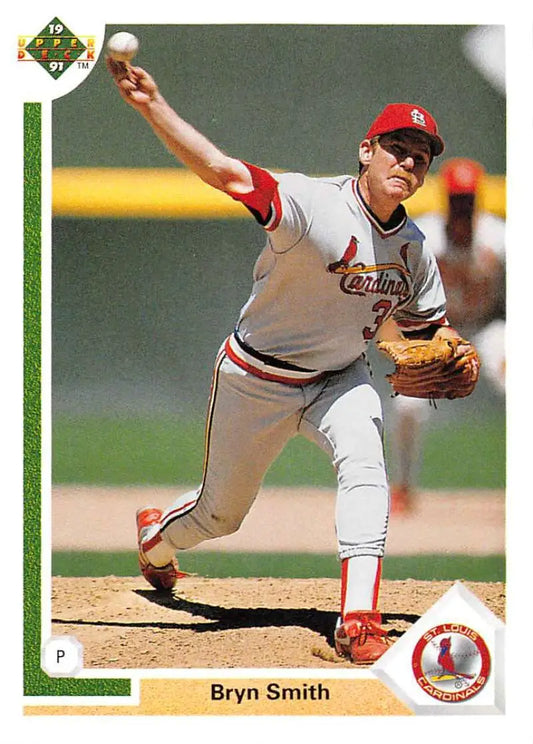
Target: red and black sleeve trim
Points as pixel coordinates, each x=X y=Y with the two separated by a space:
x=263 y=201
x=426 y=332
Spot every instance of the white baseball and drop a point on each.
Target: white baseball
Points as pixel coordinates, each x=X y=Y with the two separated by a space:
x=122 y=46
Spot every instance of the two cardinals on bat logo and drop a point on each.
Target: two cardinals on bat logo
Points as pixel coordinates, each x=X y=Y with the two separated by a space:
x=359 y=278
x=451 y=662
x=346 y=264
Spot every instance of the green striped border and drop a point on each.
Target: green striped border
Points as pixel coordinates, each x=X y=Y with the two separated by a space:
x=36 y=682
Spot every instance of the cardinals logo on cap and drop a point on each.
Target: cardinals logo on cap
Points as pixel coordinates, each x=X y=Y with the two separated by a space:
x=418 y=118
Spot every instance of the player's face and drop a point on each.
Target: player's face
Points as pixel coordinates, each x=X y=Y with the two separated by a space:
x=398 y=164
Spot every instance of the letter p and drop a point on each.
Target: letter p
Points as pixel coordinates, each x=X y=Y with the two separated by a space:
x=62 y=656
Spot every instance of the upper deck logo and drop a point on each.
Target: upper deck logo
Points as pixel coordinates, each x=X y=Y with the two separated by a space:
x=56 y=48
x=451 y=662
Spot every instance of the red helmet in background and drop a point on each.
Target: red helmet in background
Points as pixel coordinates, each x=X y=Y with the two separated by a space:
x=461 y=175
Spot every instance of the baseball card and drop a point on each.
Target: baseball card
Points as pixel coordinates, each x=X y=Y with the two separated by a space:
x=264 y=442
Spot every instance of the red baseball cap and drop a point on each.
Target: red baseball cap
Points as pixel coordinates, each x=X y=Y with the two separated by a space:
x=407 y=116
x=461 y=175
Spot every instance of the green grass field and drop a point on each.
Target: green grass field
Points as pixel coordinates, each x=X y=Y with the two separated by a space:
x=120 y=451
x=285 y=565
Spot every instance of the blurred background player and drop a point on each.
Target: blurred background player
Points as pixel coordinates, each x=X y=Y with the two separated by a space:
x=470 y=250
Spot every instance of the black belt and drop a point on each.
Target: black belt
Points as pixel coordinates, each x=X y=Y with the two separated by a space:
x=267 y=359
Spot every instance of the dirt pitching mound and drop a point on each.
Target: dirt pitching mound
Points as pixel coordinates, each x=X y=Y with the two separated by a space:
x=228 y=623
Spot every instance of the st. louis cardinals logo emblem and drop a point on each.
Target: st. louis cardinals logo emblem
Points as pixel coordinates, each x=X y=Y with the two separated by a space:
x=360 y=278
x=451 y=662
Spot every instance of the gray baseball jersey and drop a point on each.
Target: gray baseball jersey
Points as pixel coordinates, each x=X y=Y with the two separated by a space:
x=331 y=273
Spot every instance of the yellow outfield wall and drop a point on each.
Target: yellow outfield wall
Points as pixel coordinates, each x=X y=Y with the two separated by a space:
x=179 y=194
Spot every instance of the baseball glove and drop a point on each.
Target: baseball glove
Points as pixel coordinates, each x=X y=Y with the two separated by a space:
x=438 y=368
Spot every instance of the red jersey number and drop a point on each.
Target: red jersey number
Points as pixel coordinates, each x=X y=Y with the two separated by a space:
x=381 y=309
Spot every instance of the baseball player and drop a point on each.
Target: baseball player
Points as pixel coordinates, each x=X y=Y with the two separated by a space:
x=470 y=250
x=341 y=256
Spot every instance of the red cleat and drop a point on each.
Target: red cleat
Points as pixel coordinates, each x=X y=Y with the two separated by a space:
x=402 y=499
x=160 y=577
x=361 y=637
